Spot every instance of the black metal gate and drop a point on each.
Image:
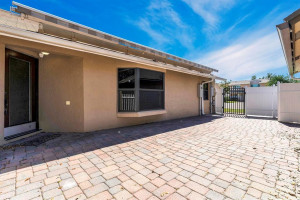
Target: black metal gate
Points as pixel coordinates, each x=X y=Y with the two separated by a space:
x=234 y=100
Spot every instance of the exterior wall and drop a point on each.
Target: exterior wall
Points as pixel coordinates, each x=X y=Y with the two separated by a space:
x=100 y=94
x=89 y=82
x=297 y=26
x=181 y=95
x=61 y=80
x=296 y=29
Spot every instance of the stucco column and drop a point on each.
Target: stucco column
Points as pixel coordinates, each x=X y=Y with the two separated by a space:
x=2 y=89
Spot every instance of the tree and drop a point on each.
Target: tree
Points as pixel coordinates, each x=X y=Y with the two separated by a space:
x=269 y=75
x=253 y=77
x=280 y=78
x=225 y=84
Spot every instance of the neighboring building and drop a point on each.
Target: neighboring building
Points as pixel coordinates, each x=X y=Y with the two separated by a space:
x=250 y=83
x=60 y=76
x=289 y=34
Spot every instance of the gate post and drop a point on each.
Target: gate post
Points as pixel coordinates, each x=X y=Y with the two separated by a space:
x=273 y=99
x=222 y=100
x=278 y=102
x=246 y=100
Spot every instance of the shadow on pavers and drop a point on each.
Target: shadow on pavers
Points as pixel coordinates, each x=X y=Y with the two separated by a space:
x=46 y=147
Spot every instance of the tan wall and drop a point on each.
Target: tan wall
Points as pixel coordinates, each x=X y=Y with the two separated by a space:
x=181 y=95
x=297 y=48
x=297 y=26
x=61 y=80
x=90 y=83
x=100 y=94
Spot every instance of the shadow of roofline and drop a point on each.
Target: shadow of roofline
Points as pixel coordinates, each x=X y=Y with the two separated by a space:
x=69 y=144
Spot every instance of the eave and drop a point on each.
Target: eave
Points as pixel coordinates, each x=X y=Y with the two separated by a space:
x=18 y=33
x=54 y=25
x=287 y=45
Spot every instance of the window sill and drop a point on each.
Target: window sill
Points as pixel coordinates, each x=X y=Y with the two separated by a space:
x=141 y=114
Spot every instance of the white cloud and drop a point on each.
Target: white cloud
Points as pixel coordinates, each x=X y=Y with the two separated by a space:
x=247 y=56
x=210 y=10
x=145 y=25
x=164 y=25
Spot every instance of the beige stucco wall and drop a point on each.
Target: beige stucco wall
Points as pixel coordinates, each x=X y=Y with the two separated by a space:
x=181 y=95
x=61 y=80
x=297 y=26
x=90 y=83
x=100 y=94
x=296 y=30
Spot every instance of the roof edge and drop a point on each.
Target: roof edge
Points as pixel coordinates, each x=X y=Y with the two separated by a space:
x=292 y=16
x=21 y=8
x=285 y=41
x=58 y=42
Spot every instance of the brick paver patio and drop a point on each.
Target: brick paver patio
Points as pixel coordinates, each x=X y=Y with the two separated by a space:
x=194 y=158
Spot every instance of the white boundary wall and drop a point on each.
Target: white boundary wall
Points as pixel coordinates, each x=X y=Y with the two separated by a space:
x=289 y=102
x=261 y=101
x=219 y=100
x=282 y=101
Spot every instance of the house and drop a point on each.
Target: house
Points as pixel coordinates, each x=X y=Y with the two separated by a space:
x=60 y=76
x=250 y=83
x=289 y=34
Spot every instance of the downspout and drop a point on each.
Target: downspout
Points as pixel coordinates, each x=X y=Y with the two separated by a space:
x=201 y=96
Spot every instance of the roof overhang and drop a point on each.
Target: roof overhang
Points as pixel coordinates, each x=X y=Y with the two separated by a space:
x=219 y=78
x=121 y=44
x=286 y=43
x=18 y=33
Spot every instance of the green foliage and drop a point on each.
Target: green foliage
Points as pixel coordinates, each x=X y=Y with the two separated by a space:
x=280 y=78
x=226 y=99
x=225 y=84
x=253 y=77
x=269 y=75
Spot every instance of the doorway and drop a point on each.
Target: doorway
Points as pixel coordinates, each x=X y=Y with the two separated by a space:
x=21 y=94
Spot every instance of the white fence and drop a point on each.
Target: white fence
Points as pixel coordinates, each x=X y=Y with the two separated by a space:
x=219 y=100
x=282 y=101
x=261 y=101
x=289 y=102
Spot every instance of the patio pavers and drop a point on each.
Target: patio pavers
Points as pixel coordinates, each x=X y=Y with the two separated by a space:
x=192 y=158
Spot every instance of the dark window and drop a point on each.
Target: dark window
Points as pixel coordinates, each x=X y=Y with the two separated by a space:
x=205 y=91
x=146 y=93
x=151 y=79
x=126 y=78
x=151 y=100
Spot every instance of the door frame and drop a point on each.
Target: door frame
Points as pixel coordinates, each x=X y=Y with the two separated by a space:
x=34 y=85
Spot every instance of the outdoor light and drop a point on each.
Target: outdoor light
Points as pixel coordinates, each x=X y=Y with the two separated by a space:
x=43 y=53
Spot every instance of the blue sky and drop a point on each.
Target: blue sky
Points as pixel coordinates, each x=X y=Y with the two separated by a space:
x=237 y=37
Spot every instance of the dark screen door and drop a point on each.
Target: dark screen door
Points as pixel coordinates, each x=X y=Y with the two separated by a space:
x=20 y=89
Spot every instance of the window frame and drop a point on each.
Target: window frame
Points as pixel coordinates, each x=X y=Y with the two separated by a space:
x=137 y=90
